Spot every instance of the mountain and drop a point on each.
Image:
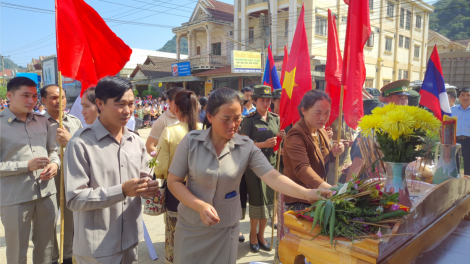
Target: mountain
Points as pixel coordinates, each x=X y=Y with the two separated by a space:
x=9 y=64
x=451 y=18
x=170 y=46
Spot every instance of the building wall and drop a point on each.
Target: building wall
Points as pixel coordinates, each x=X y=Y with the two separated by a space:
x=381 y=65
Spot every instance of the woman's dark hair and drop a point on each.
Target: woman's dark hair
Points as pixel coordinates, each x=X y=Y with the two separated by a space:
x=172 y=93
x=218 y=98
x=90 y=95
x=112 y=87
x=310 y=98
x=187 y=104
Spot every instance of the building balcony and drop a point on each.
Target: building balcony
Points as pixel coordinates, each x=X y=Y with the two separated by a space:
x=207 y=62
x=254 y=2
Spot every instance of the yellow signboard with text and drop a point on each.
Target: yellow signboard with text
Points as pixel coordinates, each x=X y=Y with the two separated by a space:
x=246 y=62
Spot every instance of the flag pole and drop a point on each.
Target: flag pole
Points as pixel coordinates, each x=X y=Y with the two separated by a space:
x=338 y=135
x=62 y=189
x=275 y=196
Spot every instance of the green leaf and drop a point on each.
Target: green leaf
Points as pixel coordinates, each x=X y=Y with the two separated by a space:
x=328 y=206
x=317 y=213
x=332 y=223
x=322 y=212
x=397 y=213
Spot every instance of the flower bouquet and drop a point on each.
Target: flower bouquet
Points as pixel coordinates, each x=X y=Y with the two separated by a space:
x=399 y=132
x=155 y=205
x=358 y=209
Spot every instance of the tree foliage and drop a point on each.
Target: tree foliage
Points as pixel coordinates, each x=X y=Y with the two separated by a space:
x=9 y=64
x=3 y=92
x=170 y=46
x=451 y=18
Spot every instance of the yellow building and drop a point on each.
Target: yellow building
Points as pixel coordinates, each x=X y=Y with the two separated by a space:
x=394 y=51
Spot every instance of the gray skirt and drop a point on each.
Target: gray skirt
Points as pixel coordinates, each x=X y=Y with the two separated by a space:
x=202 y=245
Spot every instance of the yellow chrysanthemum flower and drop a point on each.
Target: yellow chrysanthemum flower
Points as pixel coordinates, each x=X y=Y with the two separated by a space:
x=369 y=123
x=397 y=122
x=384 y=109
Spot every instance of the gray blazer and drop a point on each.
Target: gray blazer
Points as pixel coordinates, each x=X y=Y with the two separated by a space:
x=96 y=165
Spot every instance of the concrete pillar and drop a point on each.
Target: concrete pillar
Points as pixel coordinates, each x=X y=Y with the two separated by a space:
x=424 y=47
x=178 y=39
x=209 y=38
x=292 y=21
x=189 y=38
x=274 y=25
x=380 y=36
x=235 y=21
x=243 y=27
x=412 y=46
x=397 y=38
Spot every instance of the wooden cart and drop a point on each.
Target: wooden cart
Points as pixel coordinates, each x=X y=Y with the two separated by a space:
x=432 y=217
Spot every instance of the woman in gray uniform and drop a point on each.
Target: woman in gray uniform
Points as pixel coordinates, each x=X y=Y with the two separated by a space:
x=213 y=162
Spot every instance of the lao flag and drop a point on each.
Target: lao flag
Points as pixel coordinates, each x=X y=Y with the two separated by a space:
x=270 y=73
x=433 y=91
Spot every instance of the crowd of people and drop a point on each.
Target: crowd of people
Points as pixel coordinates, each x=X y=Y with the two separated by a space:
x=215 y=154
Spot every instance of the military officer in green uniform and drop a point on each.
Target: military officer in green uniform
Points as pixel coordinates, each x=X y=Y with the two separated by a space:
x=262 y=127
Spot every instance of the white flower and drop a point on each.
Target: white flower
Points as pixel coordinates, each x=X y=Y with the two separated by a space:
x=379 y=209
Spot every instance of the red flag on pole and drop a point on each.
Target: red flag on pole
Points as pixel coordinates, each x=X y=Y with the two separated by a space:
x=334 y=67
x=298 y=78
x=283 y=72
x=87 y=49
x=354 y=70
x=284 y=64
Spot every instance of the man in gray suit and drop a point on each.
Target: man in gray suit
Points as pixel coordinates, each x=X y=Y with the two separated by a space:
x=28 y=164
x=50 y=98
x=105 y=173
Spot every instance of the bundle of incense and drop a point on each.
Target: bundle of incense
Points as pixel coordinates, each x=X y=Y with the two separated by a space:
x=449 y=130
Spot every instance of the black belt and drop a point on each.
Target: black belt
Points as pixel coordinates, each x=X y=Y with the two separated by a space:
x=463 y=137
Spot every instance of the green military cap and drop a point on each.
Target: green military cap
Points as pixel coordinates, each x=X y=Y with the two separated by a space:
x=413 y=98
x=277 y=93
x=263 y=91
x=370 y=104
x=399 y=87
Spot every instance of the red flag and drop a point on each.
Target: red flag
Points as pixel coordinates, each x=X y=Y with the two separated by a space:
x=354 y=70
x=298 y=78
x=284 y=64
x=87 y=49
x=283 y=72
x=334 y=67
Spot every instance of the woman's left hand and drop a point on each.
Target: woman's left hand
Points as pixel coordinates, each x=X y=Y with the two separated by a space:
x=313 y=195
x=282 y=134
x=337 y=149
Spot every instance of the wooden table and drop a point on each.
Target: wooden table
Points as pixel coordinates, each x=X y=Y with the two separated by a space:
x=432 y=217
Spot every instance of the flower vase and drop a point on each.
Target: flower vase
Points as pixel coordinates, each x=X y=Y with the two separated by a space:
x=447 y=164
x=395 y=182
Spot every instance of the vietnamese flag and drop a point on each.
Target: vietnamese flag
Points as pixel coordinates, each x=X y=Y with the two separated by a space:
x=283 y=72
x=334 y=67
x=354 y=69
x=298 y=78
x=87 y=49
x=433 y=90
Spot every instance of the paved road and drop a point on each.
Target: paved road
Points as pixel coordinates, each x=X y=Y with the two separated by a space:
x=156 y=229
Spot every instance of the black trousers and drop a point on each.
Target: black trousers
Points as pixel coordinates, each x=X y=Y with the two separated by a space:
x=465 y=153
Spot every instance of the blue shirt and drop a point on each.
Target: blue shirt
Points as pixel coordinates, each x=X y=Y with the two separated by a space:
x=247 y=112
x=463 y=120
x=202 y=116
